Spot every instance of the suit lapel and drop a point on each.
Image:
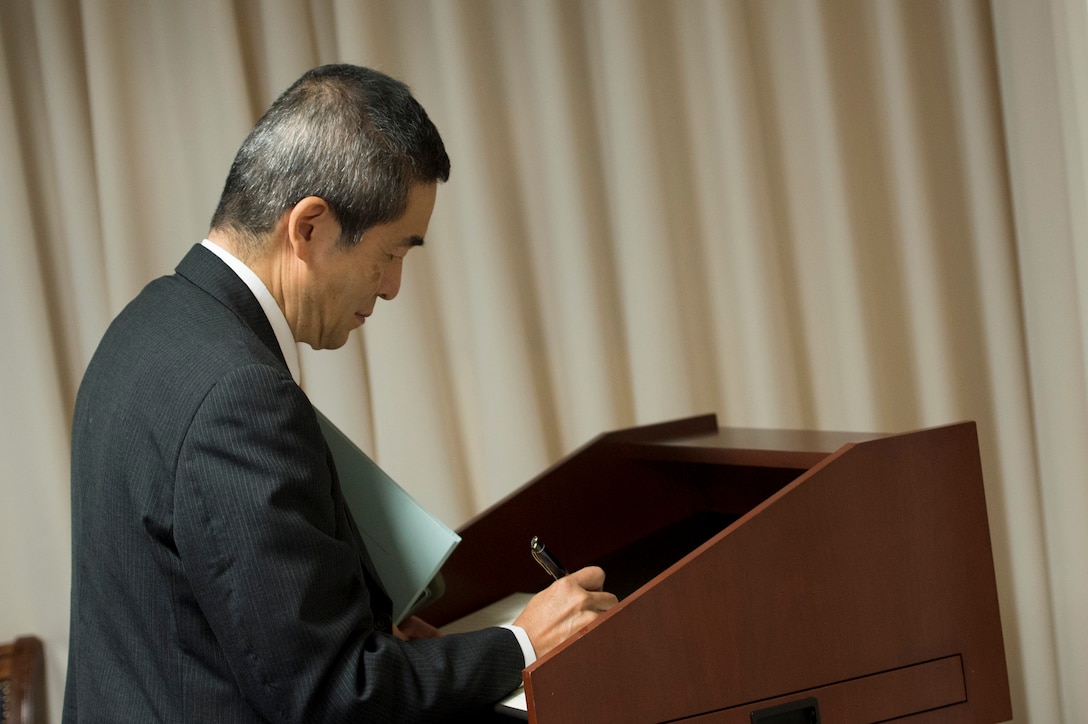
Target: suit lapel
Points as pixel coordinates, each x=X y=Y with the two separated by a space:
x=204 y=269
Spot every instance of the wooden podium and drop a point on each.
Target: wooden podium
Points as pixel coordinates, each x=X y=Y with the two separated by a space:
x=765 y=577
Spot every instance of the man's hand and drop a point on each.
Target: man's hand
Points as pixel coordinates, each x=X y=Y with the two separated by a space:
x=564 y=607
x=414 y=627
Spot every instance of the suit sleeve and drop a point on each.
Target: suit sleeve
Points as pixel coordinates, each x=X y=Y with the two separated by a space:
x=266 y=545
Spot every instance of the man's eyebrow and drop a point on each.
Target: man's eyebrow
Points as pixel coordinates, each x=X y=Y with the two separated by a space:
x=413 y=240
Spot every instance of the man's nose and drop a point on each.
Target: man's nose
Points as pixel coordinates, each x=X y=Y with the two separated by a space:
x=391 y=280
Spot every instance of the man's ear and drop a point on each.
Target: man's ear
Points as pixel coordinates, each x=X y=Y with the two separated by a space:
x=311 y=225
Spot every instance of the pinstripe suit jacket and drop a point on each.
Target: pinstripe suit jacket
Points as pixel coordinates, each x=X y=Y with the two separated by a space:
x=217 y=573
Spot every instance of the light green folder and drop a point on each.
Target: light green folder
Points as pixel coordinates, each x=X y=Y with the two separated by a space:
x=407 y=544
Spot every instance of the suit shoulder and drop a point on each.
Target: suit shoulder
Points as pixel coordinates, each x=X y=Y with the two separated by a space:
x=169 y=346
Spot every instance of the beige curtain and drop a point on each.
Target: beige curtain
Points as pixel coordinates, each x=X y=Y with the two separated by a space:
x=861 y=215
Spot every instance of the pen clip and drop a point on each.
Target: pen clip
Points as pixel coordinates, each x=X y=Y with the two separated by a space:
x=546 y=560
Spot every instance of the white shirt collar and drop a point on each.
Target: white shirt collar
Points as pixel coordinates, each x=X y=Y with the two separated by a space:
x=268 y=304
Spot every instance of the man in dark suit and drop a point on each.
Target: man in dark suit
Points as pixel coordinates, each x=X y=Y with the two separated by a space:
x=217 y=573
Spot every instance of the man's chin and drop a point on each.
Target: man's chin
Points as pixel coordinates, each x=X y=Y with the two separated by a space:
x=330 y=343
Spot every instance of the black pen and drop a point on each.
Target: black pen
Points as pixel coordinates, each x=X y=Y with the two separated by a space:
x=546 y=560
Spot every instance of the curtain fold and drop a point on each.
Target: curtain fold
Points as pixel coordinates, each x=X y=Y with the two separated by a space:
x=1045 y=95
x=36 y=389
x=837 y=215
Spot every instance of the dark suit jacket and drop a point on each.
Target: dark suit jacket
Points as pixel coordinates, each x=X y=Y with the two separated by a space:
x=217 y=573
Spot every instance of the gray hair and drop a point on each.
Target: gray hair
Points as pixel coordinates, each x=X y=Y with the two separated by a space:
x=353 y=136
